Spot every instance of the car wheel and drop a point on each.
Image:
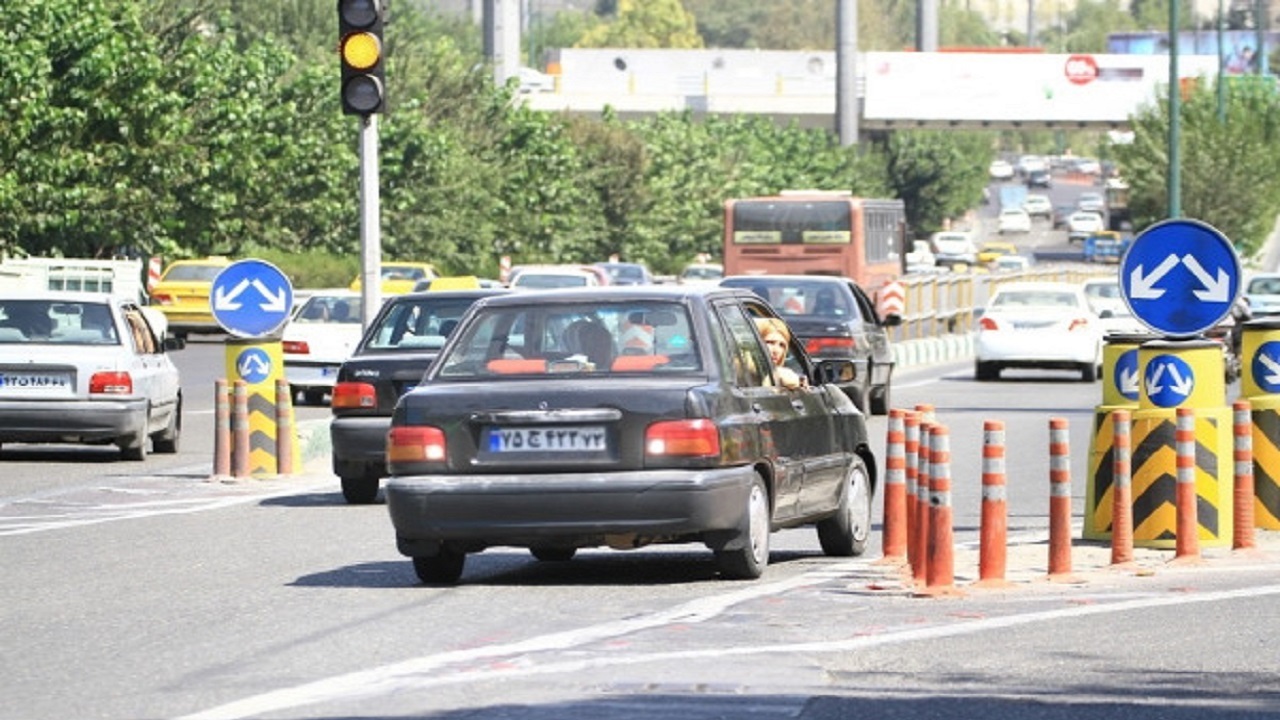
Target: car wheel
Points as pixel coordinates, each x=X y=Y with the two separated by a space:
x=553 y=554
x=845 y=533
x=986 y=370
x=880 y=400
x=361 y=489
x=748 y=561
x=1088 y=372
x=134 y=447
x=166 y=441
x=443 y=568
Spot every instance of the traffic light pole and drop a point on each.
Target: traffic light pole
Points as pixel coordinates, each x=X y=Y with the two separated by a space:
x=370 y=226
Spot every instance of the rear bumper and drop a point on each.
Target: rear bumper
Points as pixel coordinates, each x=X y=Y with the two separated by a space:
x=71 y=421
x=311 y=374
x=580 y=509
x=359 y=445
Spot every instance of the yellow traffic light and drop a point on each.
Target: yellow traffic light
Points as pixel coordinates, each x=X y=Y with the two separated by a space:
x=360 y=48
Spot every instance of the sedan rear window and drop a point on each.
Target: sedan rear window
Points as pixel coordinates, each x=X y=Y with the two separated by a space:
x=69 y=323
x=616 y=339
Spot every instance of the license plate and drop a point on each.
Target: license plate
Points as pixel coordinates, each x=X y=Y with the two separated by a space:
x=31 y=382
x=548 y=439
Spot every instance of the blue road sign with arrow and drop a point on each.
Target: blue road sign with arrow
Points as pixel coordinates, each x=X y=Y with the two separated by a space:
x=1126 y=374
x=251 y=298
x=1180 y=277
x=1266 y=366
x=1169 y=380
x=254 y=365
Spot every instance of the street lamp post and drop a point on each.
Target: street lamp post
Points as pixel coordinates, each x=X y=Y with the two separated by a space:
x=1175 y=117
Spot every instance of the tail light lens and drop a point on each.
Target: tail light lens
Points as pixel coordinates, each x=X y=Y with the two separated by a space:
x=987 y=323
x=162 y=299
x=1078 y=324
x=111 y=383
x=816 y=346
x=415 y=444
x=682 y=438
x=296 y=347
x=354 y=395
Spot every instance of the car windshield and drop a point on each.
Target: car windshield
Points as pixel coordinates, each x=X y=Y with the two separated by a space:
x=417 y=323
x=193 y=273
x=59 y=322
x=798 y=297
x=702 y=273
x=403 y=272
x=544 y=281
x=1264 y=286
x=330 y=309
x=613 y=339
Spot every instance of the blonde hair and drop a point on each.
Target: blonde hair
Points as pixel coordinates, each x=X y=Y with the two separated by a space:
x=768 y=325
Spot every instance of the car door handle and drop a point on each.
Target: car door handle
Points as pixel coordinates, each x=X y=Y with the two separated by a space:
x=756 y=407
x=798 y=405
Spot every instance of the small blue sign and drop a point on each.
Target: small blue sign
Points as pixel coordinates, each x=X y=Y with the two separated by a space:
x=1180 y=277
x=1266 y=366
x=1169 y=380
x=251 y=298
x=1126 y=377
x=253 y=365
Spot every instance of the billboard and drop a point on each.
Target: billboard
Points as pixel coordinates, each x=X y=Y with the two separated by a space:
x=1239 y=55
x=997 y=89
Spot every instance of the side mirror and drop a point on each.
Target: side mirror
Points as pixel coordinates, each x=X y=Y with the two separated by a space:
x=893 y=320
x=173 y=343
x=832 y=371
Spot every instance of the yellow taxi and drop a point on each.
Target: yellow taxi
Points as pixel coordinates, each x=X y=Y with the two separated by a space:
x=182 y=294
x=401 y=277
x=992 y=250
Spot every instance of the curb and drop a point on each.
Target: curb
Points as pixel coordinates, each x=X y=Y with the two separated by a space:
x=930 y=351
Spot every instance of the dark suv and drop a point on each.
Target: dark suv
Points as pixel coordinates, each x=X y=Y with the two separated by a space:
x=834 y=318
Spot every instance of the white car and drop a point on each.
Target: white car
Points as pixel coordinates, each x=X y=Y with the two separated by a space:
x=87 y=368
x=1037 y=205
x=557 y=276
x=1013 y=220
x=321 y=334
x=1262 y=293
x=1105 y=299
x=921 y=258
x=1038 y=325
x=954 y=247
x=1000 y=170
x=1082 y=224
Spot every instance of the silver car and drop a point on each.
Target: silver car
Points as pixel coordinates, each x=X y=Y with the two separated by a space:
x=87 y=368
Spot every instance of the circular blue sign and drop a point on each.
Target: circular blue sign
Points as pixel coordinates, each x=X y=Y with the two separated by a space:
x=253 y=365
x=251 y=298
x=1180 y=277
x=1266 y=366
x=1168 y=380
x=1126 y=374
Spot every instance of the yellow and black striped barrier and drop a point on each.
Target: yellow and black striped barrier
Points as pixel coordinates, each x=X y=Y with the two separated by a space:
x=1121 y=378
x=1260 y=385
x=259 y=364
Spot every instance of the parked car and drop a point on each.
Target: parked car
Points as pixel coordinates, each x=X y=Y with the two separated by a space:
x=320 y=335
x=1082 y=224
x=834 y=318
x=400 y=277
x=1262 y=293
x=390 y=359
x=1038 y=325
x=182 y=294
x=1037 y=205
x=626 y=273
x=622 y=417
x=1013 y=220
x=87 y=368
x=952 y=247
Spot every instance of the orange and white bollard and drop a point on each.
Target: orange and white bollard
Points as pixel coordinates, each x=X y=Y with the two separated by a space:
x=240 y=429
x=940 y=576
x=1059 y=498
x=1121 y=488
x=924 y=469
x=221 y=429
x=1243 y=537
x=895 y=481
x=993 y=538
x=1187 y=544
x=911 y=446
x=284 y=428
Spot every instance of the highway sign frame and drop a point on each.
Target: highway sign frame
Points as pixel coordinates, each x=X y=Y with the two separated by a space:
x=1180 y=277
x=251 y=298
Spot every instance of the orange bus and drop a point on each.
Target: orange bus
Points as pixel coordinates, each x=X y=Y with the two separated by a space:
x=815 y=233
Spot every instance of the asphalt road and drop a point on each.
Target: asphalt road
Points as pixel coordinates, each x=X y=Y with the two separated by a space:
x=161 y=595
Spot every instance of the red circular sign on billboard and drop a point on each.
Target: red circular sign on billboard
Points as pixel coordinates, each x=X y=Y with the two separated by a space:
x=1081 y=69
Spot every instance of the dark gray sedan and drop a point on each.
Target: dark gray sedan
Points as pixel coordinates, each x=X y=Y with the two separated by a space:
x=622 y=417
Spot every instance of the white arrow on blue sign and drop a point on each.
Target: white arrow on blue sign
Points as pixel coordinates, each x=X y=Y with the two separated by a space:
x=1169 y=380
x=1266 y=366
x=1180 y=277
x=251 y=298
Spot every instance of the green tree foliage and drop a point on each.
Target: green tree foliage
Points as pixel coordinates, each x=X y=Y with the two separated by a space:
x=646 y=24
x=937 y=174
x=1227 y=170
x=1087 y=26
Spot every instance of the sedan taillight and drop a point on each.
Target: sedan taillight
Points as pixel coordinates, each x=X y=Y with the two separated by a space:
x=1078 y=324
x=682 y=438
x=817 y=345
x=296 y=347
x=162 y=298
x=110 y=383
x=419 y=443
x=987 y=323
x=353 y=395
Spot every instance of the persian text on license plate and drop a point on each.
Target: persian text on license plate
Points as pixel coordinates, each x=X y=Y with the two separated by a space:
x=548 y=439
x=33 y=382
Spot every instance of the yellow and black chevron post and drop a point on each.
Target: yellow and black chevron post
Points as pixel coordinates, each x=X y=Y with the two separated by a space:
x=1180 y=373
x=1260 y=385
x=1121 y=377
x=259 y=363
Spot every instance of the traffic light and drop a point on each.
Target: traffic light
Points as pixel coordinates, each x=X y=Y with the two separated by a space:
x=364 y=89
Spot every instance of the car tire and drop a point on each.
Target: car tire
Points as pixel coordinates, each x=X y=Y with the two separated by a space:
x=748 y=562
x=845 y=533
x=361 y=489
x=553 y=554
x=134 y=448
x=986 y=371
x=166 y=441
x=443 y=568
